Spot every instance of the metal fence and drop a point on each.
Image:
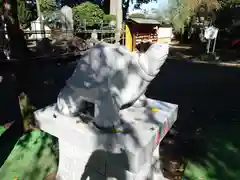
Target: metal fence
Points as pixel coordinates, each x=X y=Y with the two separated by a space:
x=57 y=40
x=102 y=30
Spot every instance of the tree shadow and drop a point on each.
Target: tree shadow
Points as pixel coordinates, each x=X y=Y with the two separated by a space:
x=118 y=172
x=113 y=156
x=40 y=92
x=208 y=99
x=9 y=105
x=197 y=51
x=46 y=80
x=16 y=145
x=189 y=51
x=34 y=155
x=10 y=115
x=207 y=96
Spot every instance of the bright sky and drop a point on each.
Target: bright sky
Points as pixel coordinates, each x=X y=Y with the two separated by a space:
x=160 y=4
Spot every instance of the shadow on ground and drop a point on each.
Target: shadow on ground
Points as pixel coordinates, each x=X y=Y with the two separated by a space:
x=46 y=81
x=32 y=154
x=33 y=157
x=198 y=52
x=205 y=134
x=23 y=155
x=186 y=50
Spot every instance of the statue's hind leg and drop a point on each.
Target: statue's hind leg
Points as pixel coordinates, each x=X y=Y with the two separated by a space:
x=107 y=112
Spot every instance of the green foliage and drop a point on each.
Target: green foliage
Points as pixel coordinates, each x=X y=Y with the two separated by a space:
x=137 y=15
x=89 y=12
x=180 y=12
x=108 y=18
x=47 y=5
x=26 y=110
x=24 y=14
x=33 y=157
x=225 y=3
x=1 y=5
x=227 y=13
x=180 y=17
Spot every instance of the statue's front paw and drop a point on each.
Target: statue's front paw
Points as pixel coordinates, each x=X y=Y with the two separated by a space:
x=119 y=128
x=141 y=102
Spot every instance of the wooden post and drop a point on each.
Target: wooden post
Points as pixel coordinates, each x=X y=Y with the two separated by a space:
x=18 y=49
x=134 y=41
x=12 y=12
x=17 y=43
x=116 y=9
x=12 y=25
x=42 y=30
x=129 y=38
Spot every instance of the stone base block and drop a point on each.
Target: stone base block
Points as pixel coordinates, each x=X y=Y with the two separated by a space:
x=95 y=167
x=85 y=148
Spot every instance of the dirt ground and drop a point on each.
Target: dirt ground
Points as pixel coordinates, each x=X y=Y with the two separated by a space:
x=197 y=51
x=206 y=94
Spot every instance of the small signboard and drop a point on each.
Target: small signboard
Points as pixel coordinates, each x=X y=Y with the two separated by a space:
x=211 y=33
x=164 y=34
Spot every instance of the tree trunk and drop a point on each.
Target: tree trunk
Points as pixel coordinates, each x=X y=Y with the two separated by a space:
x=18 y=50
x=17 y=42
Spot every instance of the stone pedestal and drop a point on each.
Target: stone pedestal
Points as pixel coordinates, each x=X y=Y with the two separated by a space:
x=86 y=152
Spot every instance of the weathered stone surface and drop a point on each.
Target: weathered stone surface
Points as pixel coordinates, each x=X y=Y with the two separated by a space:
x=85 y=150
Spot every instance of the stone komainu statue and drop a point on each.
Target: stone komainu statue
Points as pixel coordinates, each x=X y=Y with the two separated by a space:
x=110 y=77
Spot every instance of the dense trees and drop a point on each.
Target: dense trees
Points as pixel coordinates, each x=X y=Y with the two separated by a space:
x=137 y=15
x=89 y=12
x=228 y=13
x=27 y=9
x=25 y=13
x=180 y=12
x=47 y=5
